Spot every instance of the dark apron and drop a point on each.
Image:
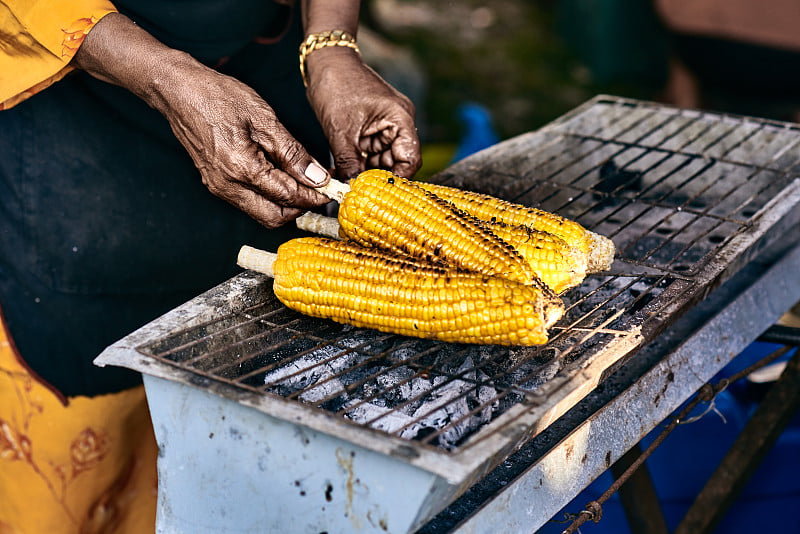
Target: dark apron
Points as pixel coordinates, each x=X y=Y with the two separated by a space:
x=104 y=222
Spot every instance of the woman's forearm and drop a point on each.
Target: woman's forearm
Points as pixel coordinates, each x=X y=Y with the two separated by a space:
x=323 y=15
x=326 y=15
x=118 y=51
x=367 y=122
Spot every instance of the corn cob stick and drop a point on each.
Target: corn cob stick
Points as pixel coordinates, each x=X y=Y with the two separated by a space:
x=350 y=284
x=319 y=224
x=391 y=213
x=557 y=264
x=334 y=190
x=599 y=249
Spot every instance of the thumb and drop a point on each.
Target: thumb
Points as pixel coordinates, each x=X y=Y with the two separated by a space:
x=287 y=154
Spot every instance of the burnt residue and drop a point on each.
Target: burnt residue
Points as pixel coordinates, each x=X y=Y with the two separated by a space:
x=199 y=381
x=405 y=451
x=641 y=300
x=613 y=180
x=670 y=378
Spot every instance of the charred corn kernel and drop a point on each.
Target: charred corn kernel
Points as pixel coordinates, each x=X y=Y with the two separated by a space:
x=559 y=265
x=347 y=283
x=489 y=208
x=599 y=249
x=391 y=213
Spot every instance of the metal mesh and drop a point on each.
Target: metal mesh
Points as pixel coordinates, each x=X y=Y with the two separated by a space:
x=669 y=187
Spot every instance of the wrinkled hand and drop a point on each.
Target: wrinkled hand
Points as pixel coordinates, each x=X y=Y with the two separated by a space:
x=244 y=154
x=368 y=123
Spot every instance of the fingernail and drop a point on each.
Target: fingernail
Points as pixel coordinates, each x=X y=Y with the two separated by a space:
x=316 y=173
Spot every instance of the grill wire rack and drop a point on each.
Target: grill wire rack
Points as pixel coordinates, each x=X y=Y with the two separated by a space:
x=686 y=196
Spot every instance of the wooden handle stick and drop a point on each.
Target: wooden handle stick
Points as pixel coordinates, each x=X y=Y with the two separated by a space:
x=319 y=224
x=334 y=190
x=256 y=260
x=261 y=261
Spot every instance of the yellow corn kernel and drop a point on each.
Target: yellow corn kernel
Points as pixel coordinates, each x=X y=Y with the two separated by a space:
x=599 y=249
x=391 y=213
x=350 y=284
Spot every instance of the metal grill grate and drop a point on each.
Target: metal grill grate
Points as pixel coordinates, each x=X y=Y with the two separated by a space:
x=673 y=189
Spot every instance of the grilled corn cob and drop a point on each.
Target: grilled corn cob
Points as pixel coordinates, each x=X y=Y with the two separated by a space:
x=350 y=284
x=557 y=264
x=391 y=213
x=599 y=249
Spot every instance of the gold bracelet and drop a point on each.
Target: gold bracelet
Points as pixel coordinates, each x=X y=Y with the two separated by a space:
x=315 y=41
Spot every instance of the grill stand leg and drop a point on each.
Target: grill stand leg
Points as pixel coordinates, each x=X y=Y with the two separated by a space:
x=638 y=495
x=756 y=439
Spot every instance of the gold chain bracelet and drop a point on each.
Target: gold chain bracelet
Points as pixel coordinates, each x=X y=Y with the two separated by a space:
x=315 y=41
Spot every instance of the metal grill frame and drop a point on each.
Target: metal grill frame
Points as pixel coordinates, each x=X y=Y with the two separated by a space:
x=496 y=440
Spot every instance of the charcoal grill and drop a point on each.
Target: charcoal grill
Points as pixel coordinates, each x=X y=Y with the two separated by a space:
x=268 y=420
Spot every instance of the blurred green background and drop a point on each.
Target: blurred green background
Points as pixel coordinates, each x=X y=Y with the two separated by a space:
x=525 y=62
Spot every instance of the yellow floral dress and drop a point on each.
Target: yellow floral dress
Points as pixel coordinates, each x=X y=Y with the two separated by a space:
x=72 y=465
x=78 y=464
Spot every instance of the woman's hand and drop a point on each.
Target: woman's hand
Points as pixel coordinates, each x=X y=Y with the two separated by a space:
x=244 y=154
x=368 y=123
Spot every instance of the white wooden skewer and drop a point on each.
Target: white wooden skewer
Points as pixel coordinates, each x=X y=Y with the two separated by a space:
x=256 y=260
x=262 y=261
x=319 y=224
x=334 y=190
